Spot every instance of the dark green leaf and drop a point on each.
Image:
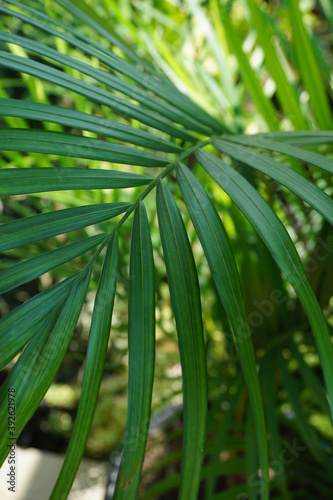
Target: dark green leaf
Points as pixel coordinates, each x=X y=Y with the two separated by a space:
x=32 y=268
x=287 y=149
x=18 y=326
x=185 y=297
x=286 y=176
x=32 y=375
x=92 y=92
x=96 y=354
x=275 y=236
x=29 y=229
x=131 y=91
x=41 y=141
x=84 y=121
x=141 y=340
x=219 y=254
x=39 y=180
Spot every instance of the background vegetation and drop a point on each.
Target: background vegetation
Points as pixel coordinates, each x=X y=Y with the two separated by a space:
x=255 y=68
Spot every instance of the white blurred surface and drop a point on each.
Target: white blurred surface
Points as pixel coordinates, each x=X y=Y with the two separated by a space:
x=36 y=473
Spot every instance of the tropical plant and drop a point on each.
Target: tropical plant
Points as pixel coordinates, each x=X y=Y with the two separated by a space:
x=275 y=289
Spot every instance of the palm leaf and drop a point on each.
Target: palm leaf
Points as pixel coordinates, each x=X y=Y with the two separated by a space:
x=84 y=121
x=33 y=373
x=30 y=269
x=29 y=229
x=185 y=297
x=103 y=75
x=278 y=241
x=287 y=149
x=41 y=141
x=284 y=175
x=220 y=257
x=38 y=180
x=92 y=92
x=96 y=354
x=141 y=339
x=18 y=326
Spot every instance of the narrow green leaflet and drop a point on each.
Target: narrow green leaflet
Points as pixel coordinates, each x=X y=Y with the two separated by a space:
x=275 y=236
x=33 y=373
x=251 y=81
x=309 y=68
x=15 y=181
x=141 y=341
x=284 y=175
x=93 y=93
x=37 y=227
x=157 y=84
x=116 y=83
x=185 y=298
x=285 y=91
x=90 y=17
x=219 y=254
x=151 y=80
x=96 y=354
x=84 y=121
x=303 y=138
x=18 y=326
x=57 y=143
x=30 y=269
x=287 y=149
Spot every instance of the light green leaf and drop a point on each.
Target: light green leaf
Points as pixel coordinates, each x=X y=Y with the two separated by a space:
x=275 y=236
x=90 y=17
x=285 y=91
x=93 y=93
x=251 y=81
x=219 y=254
x=327 y=7
x=185 y=297
x=131 y=91
x=41 y=141
x=309 y=68
x=94 y=367
x=154 y=81
x=141 y=340
x=157 y=84
x=38 y=180
x=30 y=269
x=32 y=375
x=37 y=227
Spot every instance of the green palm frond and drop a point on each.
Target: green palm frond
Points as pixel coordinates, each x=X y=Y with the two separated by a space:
x=126 y=112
